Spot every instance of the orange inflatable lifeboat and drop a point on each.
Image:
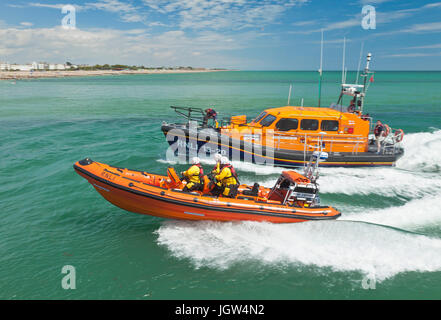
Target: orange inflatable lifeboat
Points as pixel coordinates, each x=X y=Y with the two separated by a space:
x=294 y=198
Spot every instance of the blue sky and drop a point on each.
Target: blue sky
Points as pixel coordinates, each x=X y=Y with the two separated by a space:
x=239 y=34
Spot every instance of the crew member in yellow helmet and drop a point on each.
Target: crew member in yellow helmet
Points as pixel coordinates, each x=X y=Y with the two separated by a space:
x=194 y=176
x=228 y=179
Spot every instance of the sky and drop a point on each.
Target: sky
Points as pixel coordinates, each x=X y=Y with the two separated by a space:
x=233 y=34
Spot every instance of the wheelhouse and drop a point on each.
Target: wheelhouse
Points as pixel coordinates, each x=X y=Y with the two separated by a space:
x=292 y=187
x=310 y=120
x=299 y=128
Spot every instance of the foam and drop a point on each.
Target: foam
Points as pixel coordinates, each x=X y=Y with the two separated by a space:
x=382 y=181
x=422 y=152
x=389 y=182
x=412 y=215
x=361 y=240
x=416 y=173
x=338 y=245
x=415 y=176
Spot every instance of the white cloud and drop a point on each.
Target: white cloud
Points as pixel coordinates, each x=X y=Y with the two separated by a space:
x=156 y=24
x=193 y=14
x=412 y=55
x=26 y=24
x=51 y=6
x=351 y=22
x=16 y=6
x=424 y=27
x=381 y=18
x=126 y=11
x=334 y=41
x=364 y=2
x=135 y=46
x=222 y=14
x=304 y=23
x=430 y=46
x=430 y=27
x=433 y=5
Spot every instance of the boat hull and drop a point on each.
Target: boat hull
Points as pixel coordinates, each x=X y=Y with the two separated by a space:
x=186 y=144
x=135 y=196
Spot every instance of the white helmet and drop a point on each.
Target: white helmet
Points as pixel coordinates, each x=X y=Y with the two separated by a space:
x=195 y=160
x=217 y=157
x=224 y=160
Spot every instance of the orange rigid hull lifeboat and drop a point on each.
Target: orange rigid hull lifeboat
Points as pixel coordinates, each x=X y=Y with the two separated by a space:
x=287 y=136
x=293 y=199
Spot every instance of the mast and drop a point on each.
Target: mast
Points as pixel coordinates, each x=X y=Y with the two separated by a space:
x=320 y=71
x=356 y=91
x=343 y=64
x=365 y=75
x=289 y=94
x=359 y=63
x=340 y=99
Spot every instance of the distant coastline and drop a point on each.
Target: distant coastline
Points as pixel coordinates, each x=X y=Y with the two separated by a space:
x=18 y=75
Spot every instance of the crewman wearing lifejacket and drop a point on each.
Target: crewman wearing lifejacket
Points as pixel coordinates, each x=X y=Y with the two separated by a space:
x=216 y=169
x=228 y=179
x=351 y=107
x=194 y=176
x=210 y=113
x=378 y=132
x=216 y=187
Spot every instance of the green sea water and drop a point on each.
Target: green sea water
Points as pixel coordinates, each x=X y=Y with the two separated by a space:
x=389 y=236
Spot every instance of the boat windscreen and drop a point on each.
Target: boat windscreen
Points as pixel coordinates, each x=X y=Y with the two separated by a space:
x=268 y=120
x=305 y=190
x=259 y=117
x=285 y=184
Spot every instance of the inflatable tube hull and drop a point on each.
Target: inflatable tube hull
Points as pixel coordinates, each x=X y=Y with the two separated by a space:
x=132 y=191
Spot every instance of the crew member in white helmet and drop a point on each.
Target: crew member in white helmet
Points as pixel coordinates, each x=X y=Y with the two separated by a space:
x=216 y=187
x=228 y=179
x=217 y=166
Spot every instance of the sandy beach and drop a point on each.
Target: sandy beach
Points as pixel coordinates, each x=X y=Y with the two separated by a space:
x=5 y=75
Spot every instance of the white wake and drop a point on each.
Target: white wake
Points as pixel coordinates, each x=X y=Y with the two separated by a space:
x=358 y=241
x=422 y=152
x=338 y=245
x=416 y=174
x=413 y=215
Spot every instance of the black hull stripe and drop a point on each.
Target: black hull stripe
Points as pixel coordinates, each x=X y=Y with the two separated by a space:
x=148 y=195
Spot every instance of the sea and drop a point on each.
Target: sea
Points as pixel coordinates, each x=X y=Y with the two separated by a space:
x=59 y=239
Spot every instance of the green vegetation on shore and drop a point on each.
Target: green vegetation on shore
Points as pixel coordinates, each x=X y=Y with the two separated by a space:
x=127 y=67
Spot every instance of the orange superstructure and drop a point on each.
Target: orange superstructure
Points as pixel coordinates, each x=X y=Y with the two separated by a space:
x=294 y=128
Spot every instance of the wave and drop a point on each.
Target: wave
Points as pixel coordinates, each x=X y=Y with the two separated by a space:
x=422 y=152
x=414 y=214
x=363 y=240
x=338 y=245
x=416 y=173
x=382 y=181
x=387 y=182
x=415 y=176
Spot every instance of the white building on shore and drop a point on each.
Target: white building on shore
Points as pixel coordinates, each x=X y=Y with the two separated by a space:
x=5 y=66
x=34 y=66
